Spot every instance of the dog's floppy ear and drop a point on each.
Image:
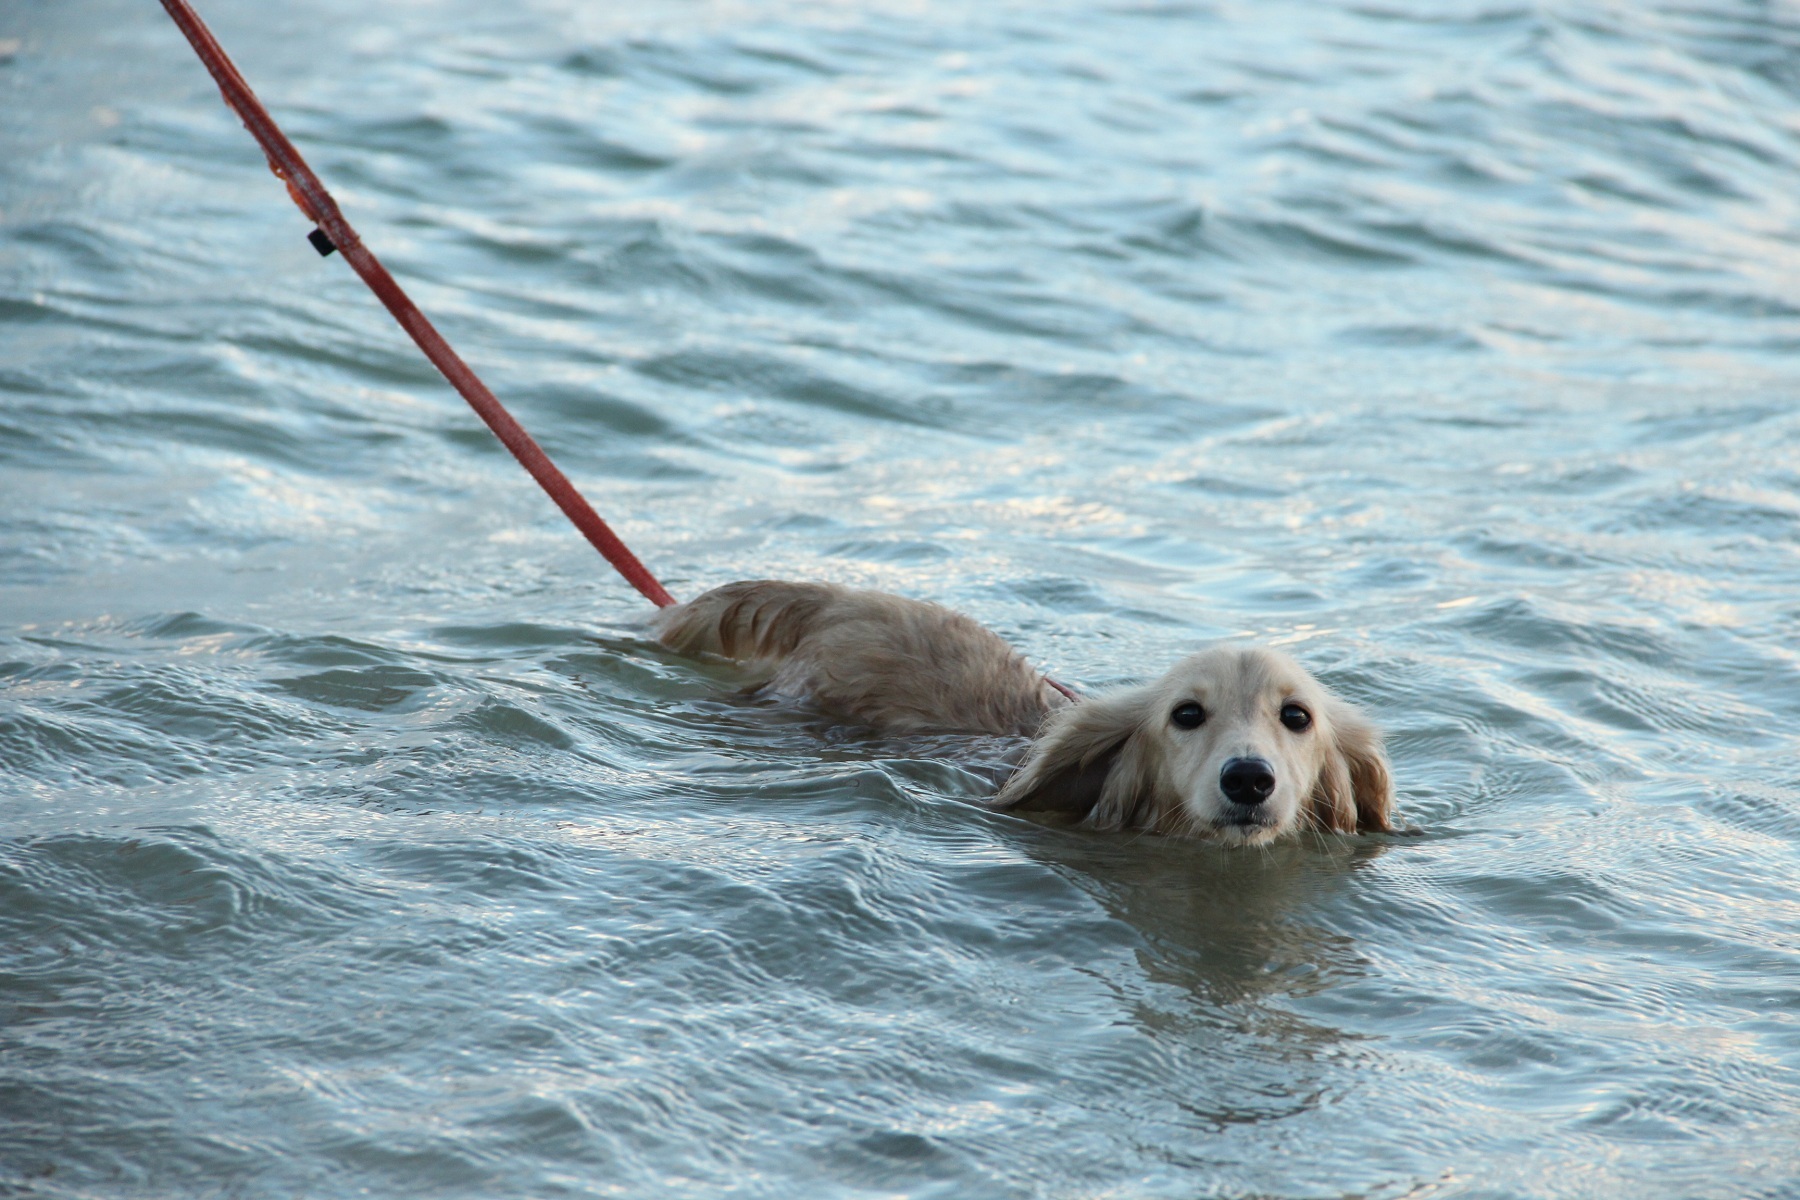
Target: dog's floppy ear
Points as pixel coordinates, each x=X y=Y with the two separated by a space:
x=1355 y=792
x=1066 y=769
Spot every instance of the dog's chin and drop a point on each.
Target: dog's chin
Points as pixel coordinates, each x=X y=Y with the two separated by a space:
x=1236 y=826
x=1245 y=833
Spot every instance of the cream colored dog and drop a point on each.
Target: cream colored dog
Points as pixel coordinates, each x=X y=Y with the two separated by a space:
x=1237 y=743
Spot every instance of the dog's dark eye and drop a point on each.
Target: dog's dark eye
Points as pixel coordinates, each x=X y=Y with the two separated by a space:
x=1296 y=718
x=1188 y=715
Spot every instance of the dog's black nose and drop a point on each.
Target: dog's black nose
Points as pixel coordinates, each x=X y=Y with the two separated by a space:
x=1247 y=781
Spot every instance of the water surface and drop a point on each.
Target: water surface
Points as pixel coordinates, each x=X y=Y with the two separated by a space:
x=354 y=840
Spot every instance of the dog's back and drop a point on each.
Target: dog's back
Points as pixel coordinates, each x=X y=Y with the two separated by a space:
x=896 y=664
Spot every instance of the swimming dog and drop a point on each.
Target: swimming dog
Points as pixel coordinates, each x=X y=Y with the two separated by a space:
x=1236 y=743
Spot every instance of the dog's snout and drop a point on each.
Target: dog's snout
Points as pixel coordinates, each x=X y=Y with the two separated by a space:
x=1247 y=781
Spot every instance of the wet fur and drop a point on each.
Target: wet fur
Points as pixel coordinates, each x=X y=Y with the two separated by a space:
x=899 y=665
x=1114 y=761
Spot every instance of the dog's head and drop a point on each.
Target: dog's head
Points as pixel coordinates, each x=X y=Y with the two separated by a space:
x=1237 y=743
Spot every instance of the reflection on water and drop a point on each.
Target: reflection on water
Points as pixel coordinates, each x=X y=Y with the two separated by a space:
x=356 y=839
x=1230 y=929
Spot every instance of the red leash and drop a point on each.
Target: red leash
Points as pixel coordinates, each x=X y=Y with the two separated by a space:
x=334 y=233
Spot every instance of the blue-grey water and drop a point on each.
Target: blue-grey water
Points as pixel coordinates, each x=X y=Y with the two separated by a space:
x=356 y=841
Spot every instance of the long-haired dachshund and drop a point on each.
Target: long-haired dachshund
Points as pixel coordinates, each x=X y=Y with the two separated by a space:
x=1238 y=743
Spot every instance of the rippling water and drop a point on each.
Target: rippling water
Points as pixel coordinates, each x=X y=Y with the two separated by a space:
x=355 y=841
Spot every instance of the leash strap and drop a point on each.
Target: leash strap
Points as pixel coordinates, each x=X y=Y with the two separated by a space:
x=333 y=232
